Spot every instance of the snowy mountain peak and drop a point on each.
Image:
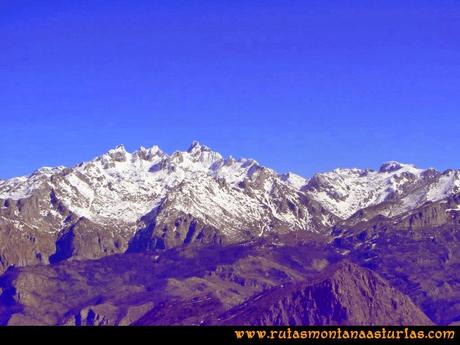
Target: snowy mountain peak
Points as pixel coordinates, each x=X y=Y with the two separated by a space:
x=345 y=191
x=196 y=147
x=294 y=180
x=148 y=154
x=48 y=171
x=196 y=158
x=119 y=148
x=118 y=154
x=392 y=166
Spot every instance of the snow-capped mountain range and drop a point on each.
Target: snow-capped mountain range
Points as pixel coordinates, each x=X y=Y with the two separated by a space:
x=121 y=187
x=121 y=198
x=401 y=187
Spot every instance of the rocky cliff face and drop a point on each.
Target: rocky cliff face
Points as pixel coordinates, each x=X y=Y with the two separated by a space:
x=345 y=295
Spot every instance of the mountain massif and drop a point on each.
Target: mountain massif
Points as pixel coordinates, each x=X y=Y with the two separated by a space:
x=193 y=238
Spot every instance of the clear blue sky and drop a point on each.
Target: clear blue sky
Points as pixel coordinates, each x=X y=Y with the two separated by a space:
x=304 y=86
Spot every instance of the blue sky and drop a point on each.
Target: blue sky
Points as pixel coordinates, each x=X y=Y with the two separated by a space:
x=301 y=86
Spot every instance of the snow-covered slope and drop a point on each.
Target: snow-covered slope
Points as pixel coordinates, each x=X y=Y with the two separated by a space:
x=401 y=186
x=23 y=187
x=119 y=187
